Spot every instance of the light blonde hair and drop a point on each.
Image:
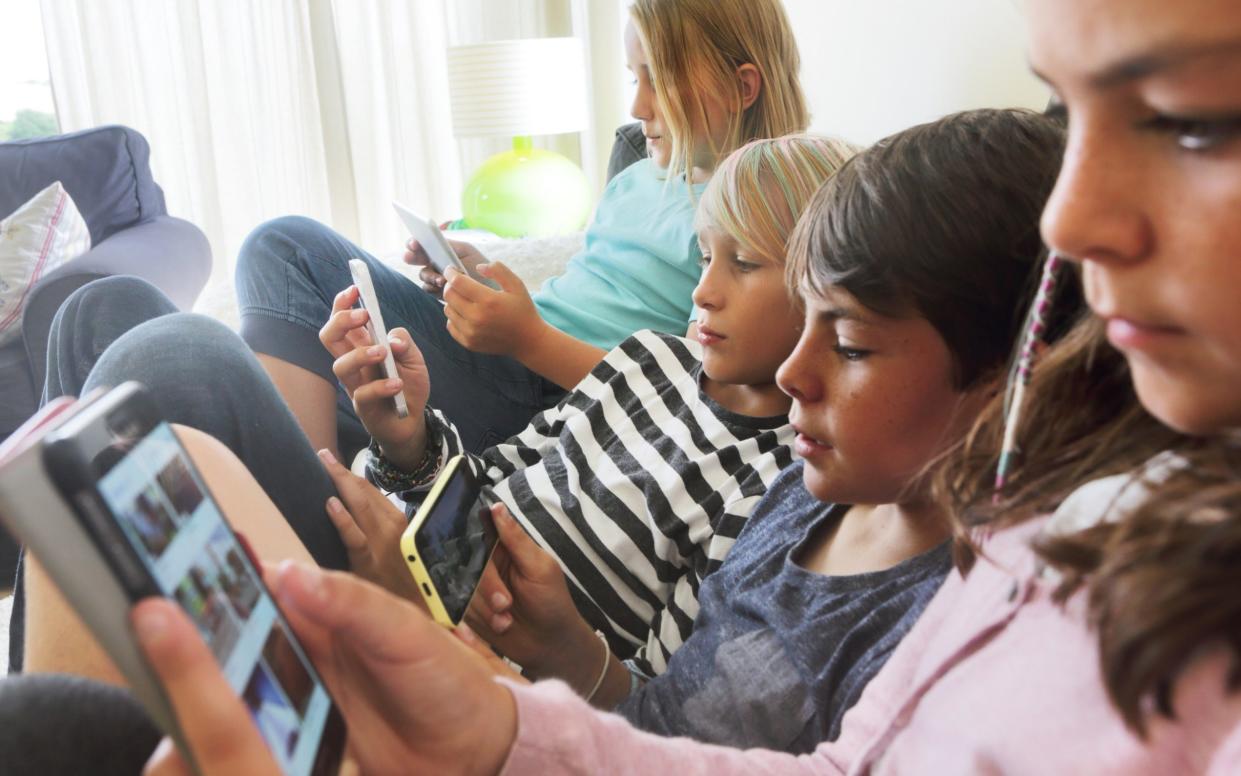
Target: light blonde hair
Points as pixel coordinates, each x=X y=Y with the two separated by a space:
x=695 y=48
x=757 y=194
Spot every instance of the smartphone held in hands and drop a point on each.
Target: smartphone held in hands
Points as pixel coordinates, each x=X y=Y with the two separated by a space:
x=122 y=514
x=375 y=326
x=450 y=541
x=432 y=240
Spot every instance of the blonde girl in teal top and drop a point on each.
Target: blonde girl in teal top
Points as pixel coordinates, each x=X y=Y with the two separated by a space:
x=710 y=76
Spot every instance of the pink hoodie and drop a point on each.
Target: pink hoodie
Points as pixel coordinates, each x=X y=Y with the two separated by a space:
x=994 y=678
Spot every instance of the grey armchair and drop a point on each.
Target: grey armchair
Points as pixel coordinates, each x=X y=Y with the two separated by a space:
x=107 y=172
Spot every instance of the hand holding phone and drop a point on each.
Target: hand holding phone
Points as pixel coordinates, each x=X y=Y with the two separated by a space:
x=450 y=540
x=410 y=684
x=152 y=529
x=376 y=328
x=370 y=527
x=539 y=627
x=357 y=368
x=439 y=253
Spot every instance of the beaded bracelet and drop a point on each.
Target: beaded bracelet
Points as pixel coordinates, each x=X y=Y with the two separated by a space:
x=387 y=476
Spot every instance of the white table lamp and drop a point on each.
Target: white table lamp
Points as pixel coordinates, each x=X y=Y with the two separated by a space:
x=520 y=88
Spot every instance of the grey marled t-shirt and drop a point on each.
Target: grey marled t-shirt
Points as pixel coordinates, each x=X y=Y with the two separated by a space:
x=778 y=653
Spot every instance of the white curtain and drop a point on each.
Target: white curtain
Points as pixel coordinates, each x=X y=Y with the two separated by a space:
x=261 y=108
x=220 y=91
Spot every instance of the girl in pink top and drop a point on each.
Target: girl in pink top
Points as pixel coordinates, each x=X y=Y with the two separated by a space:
x=1100 y=637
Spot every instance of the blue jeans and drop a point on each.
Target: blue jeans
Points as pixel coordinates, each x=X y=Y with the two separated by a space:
x=288 y=272
x=200 y=374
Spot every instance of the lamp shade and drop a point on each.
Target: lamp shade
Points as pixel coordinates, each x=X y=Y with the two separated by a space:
x=526 y=87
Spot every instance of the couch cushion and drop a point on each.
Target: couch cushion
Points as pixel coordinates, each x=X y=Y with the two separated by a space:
x=43 y=234
x=106 y=170
x=629 y=147
x=20 y=399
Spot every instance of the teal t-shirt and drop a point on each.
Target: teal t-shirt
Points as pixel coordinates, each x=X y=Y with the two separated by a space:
x=639 y=264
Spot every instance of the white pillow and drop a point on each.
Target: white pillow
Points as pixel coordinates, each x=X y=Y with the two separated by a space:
x=41 y=235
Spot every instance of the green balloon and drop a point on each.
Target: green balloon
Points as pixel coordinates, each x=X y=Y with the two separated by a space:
x=527 y=192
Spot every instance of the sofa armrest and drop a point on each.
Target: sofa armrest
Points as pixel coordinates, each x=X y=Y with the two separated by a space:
x=171 y=254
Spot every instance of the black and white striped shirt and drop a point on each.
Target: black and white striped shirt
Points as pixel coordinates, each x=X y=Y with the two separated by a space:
x=638 y=483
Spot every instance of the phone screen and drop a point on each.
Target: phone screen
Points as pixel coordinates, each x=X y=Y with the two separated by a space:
x=456 y=539
x=180 y=536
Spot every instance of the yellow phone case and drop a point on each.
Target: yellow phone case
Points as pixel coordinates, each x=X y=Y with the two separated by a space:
x=413 y=558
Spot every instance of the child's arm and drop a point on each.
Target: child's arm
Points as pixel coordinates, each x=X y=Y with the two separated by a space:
x=506 y=323
x=560 y=357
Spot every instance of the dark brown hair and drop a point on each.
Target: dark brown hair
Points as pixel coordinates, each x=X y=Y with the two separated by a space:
x=939 y=221
x=1159 y=583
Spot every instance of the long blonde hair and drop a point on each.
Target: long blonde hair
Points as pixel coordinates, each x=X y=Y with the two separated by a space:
x=695 y=48
x=758 y=193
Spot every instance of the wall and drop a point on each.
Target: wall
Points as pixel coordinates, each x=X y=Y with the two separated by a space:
x=873 y=67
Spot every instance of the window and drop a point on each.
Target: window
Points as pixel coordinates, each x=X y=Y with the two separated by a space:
x=26 y=106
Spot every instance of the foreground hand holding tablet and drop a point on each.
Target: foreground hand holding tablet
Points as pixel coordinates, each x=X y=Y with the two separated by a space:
x=414 y=697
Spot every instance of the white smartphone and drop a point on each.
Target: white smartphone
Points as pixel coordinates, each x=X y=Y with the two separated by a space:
x=375 y=325
x=432 y=241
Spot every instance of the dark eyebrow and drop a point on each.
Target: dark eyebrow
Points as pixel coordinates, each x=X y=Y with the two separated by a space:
x=833 y=314
x=1169 y=58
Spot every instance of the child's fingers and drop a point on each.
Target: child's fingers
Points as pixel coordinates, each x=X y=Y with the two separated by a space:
x=404 y=351
x=352 y=493
x=468 y=637
x=375 y=394
x=378 y=626
x=350 y=534
x=529 y=558
x=345 y=299
x=492 y=590
x=359 y=366
x=460 y=288
x=503 y=276
x=215 y=720
x=458 y=322
x=494 y=662
x=335 y=334
x=414 y=254
x=490 y=607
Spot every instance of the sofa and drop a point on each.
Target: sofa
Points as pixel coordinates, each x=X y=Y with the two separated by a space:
x=107 y=173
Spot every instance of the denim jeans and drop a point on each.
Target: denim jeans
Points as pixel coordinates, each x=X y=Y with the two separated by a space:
x=288 y=272
x=200 y=374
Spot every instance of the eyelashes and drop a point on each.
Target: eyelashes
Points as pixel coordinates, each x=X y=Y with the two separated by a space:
x=1193 y=133
x=850 y=354
x=1190 y=133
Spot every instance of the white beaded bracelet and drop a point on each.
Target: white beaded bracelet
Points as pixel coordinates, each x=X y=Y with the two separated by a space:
x=607 y=660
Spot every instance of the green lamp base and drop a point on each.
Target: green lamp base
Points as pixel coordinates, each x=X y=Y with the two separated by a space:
x=527 y=192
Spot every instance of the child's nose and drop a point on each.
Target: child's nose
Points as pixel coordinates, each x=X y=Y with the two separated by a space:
x=642 y=108
x=796 y=376
x=1089 y=215
x=707 y=295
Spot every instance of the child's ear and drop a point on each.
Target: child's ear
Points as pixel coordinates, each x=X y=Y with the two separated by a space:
x=751 y=84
